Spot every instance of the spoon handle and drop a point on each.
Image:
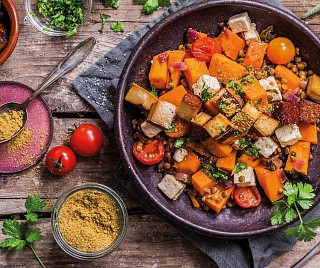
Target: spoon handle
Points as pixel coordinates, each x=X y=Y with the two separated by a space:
x=71 y=60
x=313 y=252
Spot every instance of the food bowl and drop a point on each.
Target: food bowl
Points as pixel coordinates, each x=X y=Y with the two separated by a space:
x=122 y=215
x=43 y=24
x=11 y=23
x=168 y=34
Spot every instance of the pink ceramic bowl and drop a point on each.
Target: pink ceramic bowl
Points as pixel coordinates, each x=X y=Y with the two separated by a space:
x=11 y=22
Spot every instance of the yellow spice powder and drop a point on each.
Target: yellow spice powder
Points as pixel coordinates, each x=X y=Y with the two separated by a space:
x=10 y=123
x=89 y=220
x=21 y=141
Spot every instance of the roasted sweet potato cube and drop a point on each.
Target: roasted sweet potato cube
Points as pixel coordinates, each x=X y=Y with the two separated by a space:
x=309 y=112
x=189 y=106
x=266 y=125
x=287 y=112
x=242 y=122
x=162 y=114
x=217 y=125
x=140 y=97
x=313 y=88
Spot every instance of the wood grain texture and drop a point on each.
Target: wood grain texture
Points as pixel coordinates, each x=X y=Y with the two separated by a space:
x=150 y=242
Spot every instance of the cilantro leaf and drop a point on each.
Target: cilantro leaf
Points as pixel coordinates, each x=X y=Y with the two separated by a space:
x=111 y=3
x=162 y=3
x=33 y=204
x=280 y=204
x=313 y=223
x=103 y=18
x=33 y=235
x=205 y=94
x=13 y=243
x=178 y=142
x=14 y=228
x=290 y=214
x=117 y=26
x=154 y=91
x=302 y=232
x=277 y=217
x=150 y=6
x=291 y=191
x=244 y=143
x=238 y=167
x=305 y=191
x=216 y=172
x=254 y=150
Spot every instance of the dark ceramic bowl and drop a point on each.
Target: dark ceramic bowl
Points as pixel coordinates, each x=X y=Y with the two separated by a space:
x=11 y=22
x=168 y=34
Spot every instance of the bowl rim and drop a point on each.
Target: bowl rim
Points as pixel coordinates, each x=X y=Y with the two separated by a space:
x=14 y=30
x=122 y=87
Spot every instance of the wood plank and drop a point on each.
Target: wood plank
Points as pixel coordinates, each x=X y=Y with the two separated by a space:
x=149 y=242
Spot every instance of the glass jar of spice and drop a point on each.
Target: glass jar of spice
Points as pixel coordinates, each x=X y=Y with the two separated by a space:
x=89 y=221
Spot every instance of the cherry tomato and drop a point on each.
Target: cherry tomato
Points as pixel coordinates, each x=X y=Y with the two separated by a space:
x=188 y=54
x=86 y=140
x=280 y=50
x=247 y=197
x=150 y=154
x=181 y=128
x=61 y=160
x=204 y=48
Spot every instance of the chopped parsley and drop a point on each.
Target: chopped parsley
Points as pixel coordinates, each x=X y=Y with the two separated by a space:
x=150 y=6
x=179 y=142
x=237 y=87
x=238 y=168
x=222 y=128
x=244 y=143
x=103 y=18
x=117 y=26
x=205 y=94
x=254 y=150
x=258 y=101
x=110 y=3
x=172 y=127
x=154 y=91
x=216 y=172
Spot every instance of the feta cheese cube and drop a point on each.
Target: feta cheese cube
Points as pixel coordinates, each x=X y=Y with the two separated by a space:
x=150 y=130
x=162 y=114
x=266 y=145
x=210 y=83
x=288 y=135
x=245 y=178
x=180 y=154
x=270 y=85
x=239 y=23
x=171 y=187
x=252 y=34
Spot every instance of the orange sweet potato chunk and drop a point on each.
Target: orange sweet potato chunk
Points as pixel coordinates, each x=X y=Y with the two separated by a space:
x=216 y=205
x=250 y=160
x=200 y=181
x=227 y=163
x=195 y=69
x=174 y=96
x=308 y=132
x=190 y=164
x=216 y=148
x=255 y=54
x=293 y=81
x=158 y=72
x=301 y=150
x=174 y=56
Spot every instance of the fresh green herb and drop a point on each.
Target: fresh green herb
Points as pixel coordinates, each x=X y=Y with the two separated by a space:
x=249 y=67
x=249 y=79
x=237 y=87
x=205 y=94
x=244 y=143
x=172 y=127
x=237 y=133
x=103 y=18
x=238 y=168
x=311 y=12
x=62 y=14
x=154 y=91
x=254 y=150
x=162 y=3
x=117 y=26
x=150 y=6
x=21 y=234
x=239 y=91
x=300 y=194
x=222 y=104
x=222 y=128
x=258 y=101
x=179 y=142
x=231 y=83
x=266 y=33
x=111 y=3
x=216 y=172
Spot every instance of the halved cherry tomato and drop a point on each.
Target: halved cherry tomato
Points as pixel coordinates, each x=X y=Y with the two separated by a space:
x=188 y=54
x=203 y=49
x=247 y=197
x=180 y=129
x=150 y=154
x=280 y=50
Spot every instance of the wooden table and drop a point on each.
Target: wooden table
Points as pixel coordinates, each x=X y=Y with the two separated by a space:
x=150 y=242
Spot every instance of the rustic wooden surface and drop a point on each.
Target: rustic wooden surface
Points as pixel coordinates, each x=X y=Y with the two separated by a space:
x=150 y=242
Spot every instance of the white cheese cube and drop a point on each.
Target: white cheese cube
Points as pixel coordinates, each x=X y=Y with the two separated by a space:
x=180 y=154
x=252 y=34
x=245 y=178
x=162 y=114
x=239 y=23
x=210 y=83
x=266 y=145
x=288 y=135
x=150 y=130
x=171 y=187
x=270 y=85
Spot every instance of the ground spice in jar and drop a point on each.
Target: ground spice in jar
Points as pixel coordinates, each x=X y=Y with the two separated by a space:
x=89 y=220
x=10 y=123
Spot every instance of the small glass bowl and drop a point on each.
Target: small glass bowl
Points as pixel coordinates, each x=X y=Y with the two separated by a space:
x=43 y=25
x=89 y=255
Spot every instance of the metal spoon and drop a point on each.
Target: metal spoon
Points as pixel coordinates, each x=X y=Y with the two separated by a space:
x=71 y=60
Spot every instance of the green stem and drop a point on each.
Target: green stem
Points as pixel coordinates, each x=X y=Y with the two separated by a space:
x=36 y=255
x=295 y=205
x=311 y=12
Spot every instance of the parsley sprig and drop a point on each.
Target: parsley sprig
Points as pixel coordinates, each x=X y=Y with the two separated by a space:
x=21 y=234
x=298 y=195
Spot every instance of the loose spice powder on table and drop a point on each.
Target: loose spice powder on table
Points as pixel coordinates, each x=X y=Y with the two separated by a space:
x=89 y=220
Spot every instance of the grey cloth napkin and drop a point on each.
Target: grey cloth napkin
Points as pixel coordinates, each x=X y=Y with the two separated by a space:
x=98 y=85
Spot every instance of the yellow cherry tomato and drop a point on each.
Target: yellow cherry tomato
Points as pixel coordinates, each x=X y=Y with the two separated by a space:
x=280 y=50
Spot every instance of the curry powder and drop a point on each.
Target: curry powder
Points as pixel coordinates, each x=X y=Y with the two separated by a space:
x=89 y=220
x=10 y=123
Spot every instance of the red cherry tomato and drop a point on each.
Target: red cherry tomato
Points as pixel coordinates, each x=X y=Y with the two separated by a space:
x=247 y=197
x=204 y=48
x=280 y=50
x=180 y=129
x=86 y=140
x=61 y=160
x=150 y=154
